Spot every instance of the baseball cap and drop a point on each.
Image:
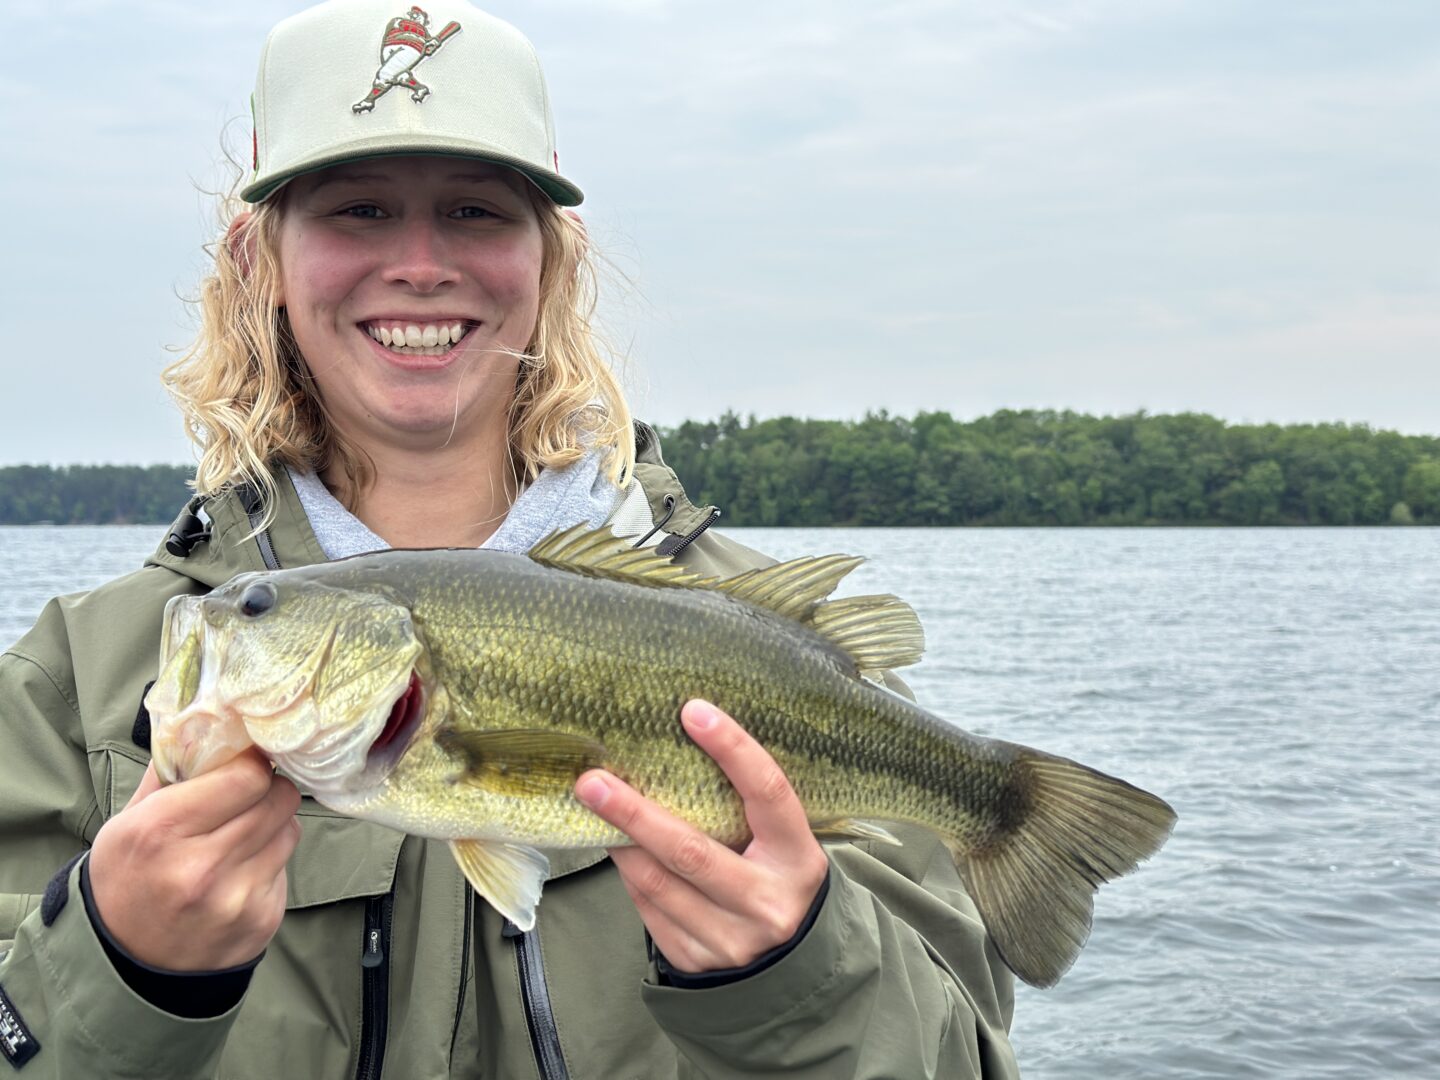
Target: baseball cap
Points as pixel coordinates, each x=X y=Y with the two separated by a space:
x=354 y=79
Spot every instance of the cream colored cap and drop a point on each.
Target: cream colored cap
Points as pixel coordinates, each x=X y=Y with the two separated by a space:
x=355 y=79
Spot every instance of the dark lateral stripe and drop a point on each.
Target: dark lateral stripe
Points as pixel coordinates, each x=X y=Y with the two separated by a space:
x=16 y=1042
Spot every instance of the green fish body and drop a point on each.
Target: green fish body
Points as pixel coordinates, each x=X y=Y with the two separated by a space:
x=458 y=695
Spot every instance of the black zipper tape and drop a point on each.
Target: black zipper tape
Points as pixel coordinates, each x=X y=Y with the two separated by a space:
x=464 y=966
x=375 y=986
x=539 y=1015
x=255 y=511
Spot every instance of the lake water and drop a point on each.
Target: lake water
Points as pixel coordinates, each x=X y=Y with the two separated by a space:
x=1281 y=688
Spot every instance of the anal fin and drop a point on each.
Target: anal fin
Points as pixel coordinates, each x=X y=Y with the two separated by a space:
x=509 y=876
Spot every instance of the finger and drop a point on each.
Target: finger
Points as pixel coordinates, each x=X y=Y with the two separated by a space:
x=670 y=936
x=651 y=883
x=149 y=784
x=251 y=830
x=693 y=932
x=202 y=804
x=269 y=862
x=771 y=806
x=679 y=846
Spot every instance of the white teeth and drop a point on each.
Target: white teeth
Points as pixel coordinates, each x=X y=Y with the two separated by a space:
x=433 y=339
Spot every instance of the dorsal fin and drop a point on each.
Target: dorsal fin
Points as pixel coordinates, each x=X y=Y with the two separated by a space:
x=600 y=553
x=876 y=632
x=793 y=588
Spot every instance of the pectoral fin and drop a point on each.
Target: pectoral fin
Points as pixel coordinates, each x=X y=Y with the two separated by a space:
x=521 y=761
x=509 y=876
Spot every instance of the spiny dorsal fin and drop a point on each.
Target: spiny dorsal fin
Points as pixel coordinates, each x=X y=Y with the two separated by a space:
x=793 y=588
x=600 y=553
x=877 y=632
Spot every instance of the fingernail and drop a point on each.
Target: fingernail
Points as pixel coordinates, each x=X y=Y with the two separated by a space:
x=593 y=792
x=701 y=716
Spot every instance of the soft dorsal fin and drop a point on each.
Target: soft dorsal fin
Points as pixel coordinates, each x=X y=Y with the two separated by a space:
x=876 y=632
x=600 y=553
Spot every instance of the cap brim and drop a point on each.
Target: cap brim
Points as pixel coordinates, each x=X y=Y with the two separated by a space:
x=560 y=191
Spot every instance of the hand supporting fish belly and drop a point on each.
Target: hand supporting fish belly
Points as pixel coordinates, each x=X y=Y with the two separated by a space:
x=709 y=908
x=460 y=695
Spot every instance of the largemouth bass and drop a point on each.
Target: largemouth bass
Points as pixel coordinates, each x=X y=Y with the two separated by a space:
x=459 y=694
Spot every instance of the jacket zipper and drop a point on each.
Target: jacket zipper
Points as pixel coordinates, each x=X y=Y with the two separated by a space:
x=535 y=994
x=375 y=986
x=464 y=965
x=673 y=544
x=254 y=512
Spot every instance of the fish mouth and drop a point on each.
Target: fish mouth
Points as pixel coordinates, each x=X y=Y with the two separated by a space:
x=406 y=714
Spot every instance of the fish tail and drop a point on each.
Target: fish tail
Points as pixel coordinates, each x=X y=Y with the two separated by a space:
x=1034 y=880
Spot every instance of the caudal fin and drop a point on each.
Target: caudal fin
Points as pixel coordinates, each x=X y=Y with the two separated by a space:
x=1035 y=884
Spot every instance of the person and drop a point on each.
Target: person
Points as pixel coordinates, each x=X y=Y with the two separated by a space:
x=395 y=350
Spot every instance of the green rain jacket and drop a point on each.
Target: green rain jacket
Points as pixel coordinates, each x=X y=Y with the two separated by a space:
x=386 y=963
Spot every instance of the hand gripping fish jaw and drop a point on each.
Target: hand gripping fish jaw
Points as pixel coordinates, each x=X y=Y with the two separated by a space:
x=407 y=41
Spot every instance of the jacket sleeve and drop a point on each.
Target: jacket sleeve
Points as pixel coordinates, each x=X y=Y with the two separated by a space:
x=896 y=978
x=78 y=1015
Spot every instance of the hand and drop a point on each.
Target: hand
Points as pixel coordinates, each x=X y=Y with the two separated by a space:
x=709 y=908
x=191 y=877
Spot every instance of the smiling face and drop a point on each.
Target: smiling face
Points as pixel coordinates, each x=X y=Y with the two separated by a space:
x=409 y=282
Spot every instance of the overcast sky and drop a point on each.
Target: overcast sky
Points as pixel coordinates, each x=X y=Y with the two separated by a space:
x=824 y=206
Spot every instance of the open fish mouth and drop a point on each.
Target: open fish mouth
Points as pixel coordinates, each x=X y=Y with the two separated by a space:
x=406 y=715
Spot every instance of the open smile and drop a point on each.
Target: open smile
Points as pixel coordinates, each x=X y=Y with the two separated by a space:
x=405 y=338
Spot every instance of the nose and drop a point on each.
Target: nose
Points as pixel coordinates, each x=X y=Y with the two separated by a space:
x=421 y=257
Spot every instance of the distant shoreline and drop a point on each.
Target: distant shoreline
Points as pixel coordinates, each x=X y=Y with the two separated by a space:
x=1012 y=468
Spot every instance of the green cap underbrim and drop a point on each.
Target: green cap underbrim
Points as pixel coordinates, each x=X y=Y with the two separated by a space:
x=560 y=191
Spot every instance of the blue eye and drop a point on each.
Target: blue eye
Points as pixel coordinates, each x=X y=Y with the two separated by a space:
x=475 y=213
x=364 y=210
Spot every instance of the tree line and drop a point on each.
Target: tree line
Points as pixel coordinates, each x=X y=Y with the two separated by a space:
x=1025 y=467
x=1044 y=467
x=92 y=494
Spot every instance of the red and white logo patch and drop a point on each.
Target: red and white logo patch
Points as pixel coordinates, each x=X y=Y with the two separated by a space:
x=407 y=41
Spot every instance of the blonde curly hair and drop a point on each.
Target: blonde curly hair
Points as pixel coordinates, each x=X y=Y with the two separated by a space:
x=250 y=404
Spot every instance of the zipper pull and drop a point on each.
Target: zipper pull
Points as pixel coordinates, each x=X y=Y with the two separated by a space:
x=374 y=954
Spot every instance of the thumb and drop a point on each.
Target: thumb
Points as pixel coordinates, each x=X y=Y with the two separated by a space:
x=149 y=784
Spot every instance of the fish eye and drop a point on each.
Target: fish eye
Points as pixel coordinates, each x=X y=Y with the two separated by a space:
x=257 y=599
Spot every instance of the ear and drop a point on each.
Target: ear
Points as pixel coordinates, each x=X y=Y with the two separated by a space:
x=242 y=243
x=575 y=217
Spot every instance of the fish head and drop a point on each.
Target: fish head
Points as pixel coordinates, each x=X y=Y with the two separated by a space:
x=328 y=682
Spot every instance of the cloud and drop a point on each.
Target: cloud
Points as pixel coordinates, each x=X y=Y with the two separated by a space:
x=829 y=205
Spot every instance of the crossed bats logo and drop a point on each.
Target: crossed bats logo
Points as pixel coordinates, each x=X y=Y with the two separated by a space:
x=406 y=42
